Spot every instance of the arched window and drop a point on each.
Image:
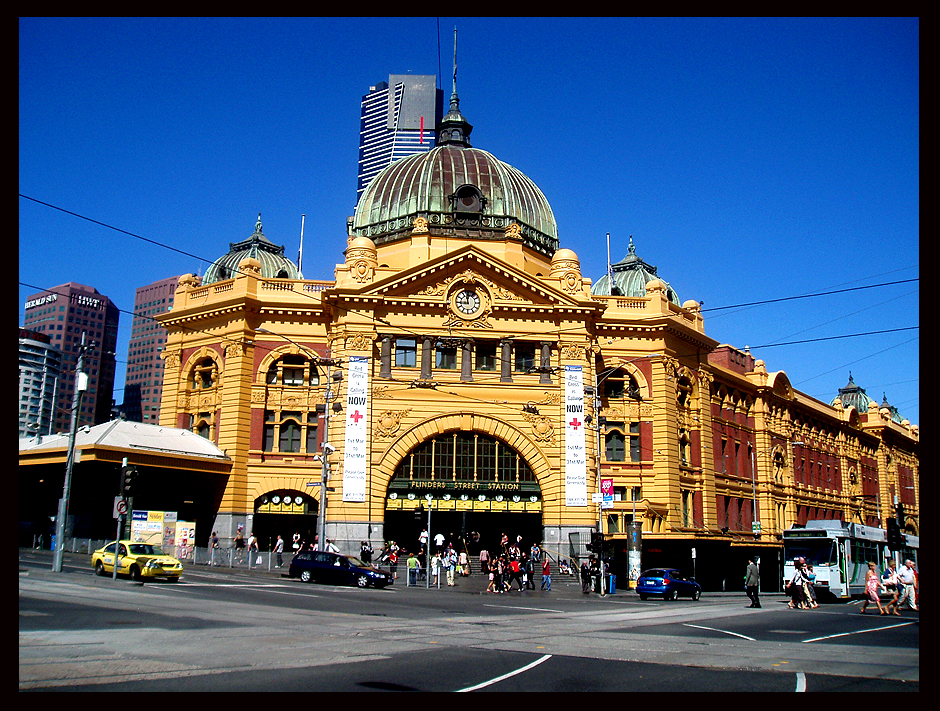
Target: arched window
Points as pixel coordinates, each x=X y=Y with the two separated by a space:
x=292 y=370
x=205 y=374
x=289 y=440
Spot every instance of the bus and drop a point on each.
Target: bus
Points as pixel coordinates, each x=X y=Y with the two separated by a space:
x=839 y=553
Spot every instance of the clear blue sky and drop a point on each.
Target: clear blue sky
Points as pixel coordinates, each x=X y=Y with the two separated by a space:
x=751 y=159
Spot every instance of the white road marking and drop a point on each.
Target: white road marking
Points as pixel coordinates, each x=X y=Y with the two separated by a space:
x=800 y=682
x=846 y=634
x=742 y=636
x=538 y=661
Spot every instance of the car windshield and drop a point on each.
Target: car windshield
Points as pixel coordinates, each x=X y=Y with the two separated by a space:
x=146 y=549
x=356 y=562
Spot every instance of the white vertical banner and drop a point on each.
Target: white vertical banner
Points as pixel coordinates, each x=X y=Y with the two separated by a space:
x=356 y=451
x=575 y=453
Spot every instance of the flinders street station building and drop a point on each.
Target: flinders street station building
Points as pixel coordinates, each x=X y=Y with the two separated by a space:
x=460 y=365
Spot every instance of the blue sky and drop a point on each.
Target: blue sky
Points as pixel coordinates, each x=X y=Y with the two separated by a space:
x=751 y=159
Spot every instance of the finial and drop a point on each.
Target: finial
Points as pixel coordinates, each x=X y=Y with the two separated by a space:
x=258 y=225
x=632 y=249
x=453 y=96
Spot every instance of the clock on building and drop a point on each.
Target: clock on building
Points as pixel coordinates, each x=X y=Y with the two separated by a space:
x=467 y=302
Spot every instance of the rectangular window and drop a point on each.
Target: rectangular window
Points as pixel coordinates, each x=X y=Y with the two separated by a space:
x=486 y=356
x=444 y=458
x=311 y=432
x=465 y=458
x=446 y=357
x=635 y=442
x=506 y=464
x=406 y=352
x=293 y=376
x=524 y=357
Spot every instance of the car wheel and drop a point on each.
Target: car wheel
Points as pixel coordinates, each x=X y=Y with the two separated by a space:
x=306 y=576
x=362 y=581
x=672 y=595
x=135 y=573
x=696 y=594
x=99 y=568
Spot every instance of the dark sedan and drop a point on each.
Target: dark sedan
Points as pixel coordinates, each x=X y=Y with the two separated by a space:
x=668 y=582
x=336 y=569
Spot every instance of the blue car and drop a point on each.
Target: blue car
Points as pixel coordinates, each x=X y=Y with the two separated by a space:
x=336 y=569
x=668 y=582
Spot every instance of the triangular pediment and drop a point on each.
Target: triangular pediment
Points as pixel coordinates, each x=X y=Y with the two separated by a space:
x=504 y=284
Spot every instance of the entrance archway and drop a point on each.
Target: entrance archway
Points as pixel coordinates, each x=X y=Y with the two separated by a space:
x=283 y=513
x=476 y=487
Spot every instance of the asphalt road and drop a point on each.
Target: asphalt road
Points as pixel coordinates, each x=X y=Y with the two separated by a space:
x=258 y=631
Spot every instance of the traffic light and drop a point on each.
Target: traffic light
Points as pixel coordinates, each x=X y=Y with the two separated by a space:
x=597 y=542
x=900 y=516
x=895 y=537
x=128 y=475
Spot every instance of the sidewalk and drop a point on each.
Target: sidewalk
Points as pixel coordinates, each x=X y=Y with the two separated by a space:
x=563 y=586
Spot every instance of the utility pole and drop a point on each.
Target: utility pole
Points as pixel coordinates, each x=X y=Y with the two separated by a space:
x=81 y=384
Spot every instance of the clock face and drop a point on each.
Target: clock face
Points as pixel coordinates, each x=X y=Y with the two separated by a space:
x=467 y=301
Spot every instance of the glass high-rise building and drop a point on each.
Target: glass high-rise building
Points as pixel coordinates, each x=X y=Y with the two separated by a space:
x=398 y=119
x=64 y=313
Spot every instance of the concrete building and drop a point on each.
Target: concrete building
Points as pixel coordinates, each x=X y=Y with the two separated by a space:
x=64 y=313
x=143 y=380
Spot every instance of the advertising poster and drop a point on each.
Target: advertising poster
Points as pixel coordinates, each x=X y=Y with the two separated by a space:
x=356 y=452
x=575 y=453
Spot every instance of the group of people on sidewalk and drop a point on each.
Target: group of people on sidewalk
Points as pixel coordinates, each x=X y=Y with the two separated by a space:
x=900 y=584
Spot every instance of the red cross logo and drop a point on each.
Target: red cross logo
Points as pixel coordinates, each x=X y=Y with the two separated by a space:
x=355 y=417
x=574 y=423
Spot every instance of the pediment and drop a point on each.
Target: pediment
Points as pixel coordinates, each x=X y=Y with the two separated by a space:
x=504 y=285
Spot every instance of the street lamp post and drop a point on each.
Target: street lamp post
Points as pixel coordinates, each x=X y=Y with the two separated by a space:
x=81 y=384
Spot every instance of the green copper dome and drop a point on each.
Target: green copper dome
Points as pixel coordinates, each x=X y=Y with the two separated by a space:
x=460 y=191
x=274 y=265
x=630 y=277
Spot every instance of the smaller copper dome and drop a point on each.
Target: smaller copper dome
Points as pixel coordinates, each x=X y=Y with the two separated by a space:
x=274 y=265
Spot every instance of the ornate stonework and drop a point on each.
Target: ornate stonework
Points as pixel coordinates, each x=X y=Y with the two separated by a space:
x=572 y=351
x=388 y=423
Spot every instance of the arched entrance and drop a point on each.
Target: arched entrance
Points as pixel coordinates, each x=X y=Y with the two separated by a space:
x=283 y=513
x=476 y=488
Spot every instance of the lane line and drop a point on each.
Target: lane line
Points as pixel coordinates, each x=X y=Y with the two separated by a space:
x=800 y=682
x=512 y=607
x=481 y=685
x=712 y=629
x=846 y=634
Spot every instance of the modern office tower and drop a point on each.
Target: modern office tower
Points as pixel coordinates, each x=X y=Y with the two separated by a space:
x=39 y=372
x=143 y=382
x=64 y=313
x=399 y=118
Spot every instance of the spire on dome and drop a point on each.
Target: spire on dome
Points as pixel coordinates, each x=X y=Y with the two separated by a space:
x=454 y=128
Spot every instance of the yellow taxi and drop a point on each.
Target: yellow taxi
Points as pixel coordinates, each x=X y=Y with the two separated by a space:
x=139 y=560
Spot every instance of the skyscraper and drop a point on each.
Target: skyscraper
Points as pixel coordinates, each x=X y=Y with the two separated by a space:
x=64 y=313
x=143 y=382
x=398 y=119
x=39 y=373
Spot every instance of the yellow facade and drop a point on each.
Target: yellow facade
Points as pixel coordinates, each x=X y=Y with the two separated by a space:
x=244 y=349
